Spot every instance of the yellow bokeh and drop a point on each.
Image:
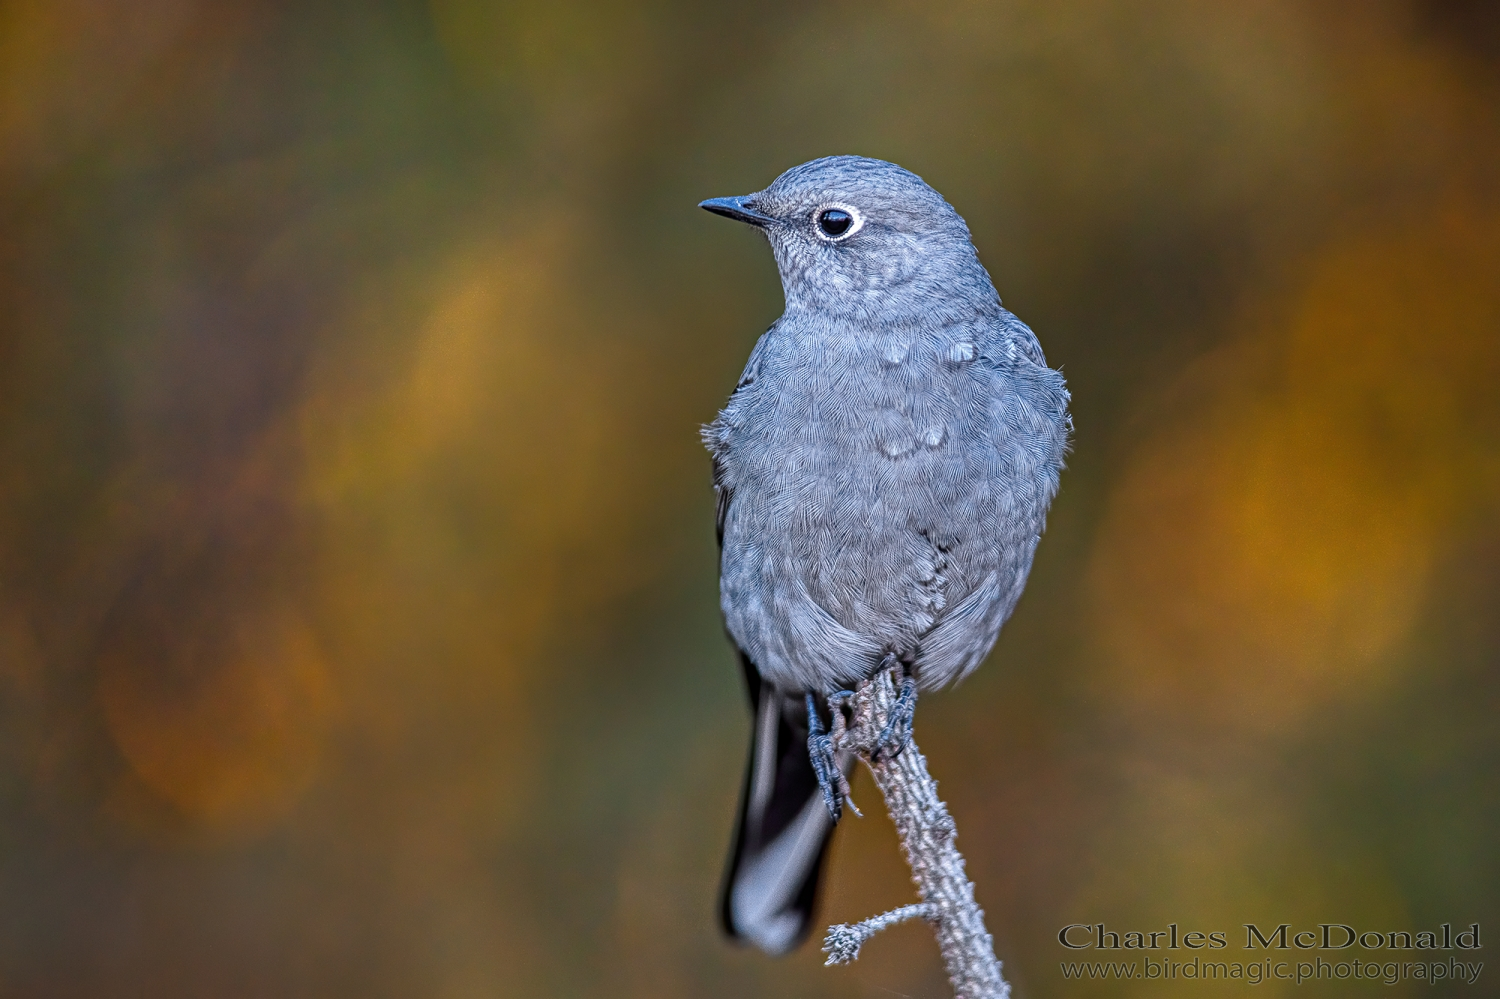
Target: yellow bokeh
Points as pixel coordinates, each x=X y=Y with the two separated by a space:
x=234 y=734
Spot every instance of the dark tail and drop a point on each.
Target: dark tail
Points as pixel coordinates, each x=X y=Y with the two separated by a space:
x=784 y=828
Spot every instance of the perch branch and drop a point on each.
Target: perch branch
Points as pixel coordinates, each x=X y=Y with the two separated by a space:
x=927 y=833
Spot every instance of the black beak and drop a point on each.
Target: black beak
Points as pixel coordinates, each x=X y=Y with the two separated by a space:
x=739 y=209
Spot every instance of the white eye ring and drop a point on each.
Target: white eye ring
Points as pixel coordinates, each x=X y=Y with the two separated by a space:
x=855 y=222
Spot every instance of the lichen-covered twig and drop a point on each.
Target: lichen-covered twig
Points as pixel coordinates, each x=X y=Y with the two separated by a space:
x=844 y=940
x=927 y=833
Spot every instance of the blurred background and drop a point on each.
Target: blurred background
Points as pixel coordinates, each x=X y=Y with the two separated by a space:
x=358 y=614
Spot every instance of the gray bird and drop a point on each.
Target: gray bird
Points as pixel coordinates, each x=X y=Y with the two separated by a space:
x=883 y=470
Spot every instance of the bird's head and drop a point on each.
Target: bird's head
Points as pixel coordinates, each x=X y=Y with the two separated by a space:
x=858 y=237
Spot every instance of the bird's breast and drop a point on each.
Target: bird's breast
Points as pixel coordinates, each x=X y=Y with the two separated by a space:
x=858 y=446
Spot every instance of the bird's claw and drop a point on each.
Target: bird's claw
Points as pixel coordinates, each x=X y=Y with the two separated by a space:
x=820 y=750
x=896 y=734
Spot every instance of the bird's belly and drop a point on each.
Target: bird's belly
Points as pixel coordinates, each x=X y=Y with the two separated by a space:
x=832 y=560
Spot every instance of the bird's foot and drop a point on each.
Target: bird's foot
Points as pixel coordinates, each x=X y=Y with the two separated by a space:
x=894 y=738
x=837 y=734
x=820 y=750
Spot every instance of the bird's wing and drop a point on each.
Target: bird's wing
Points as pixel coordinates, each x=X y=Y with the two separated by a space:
x=716 y=436
x=783 y=828
x=1033 y=413
x=724 y=494
x=1018 y=333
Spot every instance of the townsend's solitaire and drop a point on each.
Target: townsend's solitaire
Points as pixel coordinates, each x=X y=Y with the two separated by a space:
x=883 y=470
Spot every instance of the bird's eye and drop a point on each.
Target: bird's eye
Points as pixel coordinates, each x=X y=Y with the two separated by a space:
x=834 y=222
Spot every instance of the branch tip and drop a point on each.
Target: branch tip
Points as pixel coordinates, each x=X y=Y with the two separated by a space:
x=844 y=939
